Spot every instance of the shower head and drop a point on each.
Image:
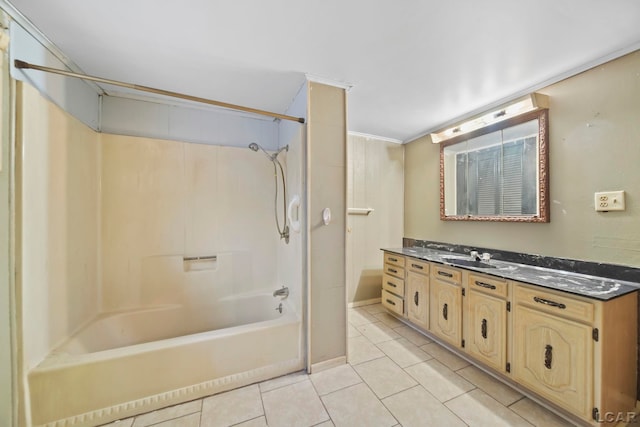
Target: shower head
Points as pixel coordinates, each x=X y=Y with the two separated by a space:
x=255 y=147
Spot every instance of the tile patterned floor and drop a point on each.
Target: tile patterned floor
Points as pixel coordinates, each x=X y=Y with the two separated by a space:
x=395 y=377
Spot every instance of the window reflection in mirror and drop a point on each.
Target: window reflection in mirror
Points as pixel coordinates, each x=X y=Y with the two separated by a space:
x=497 y=173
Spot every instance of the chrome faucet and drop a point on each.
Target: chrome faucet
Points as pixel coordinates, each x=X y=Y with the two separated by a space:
x=282 y=292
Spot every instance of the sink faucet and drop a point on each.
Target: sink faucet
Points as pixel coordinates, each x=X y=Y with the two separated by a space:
x=282 y=292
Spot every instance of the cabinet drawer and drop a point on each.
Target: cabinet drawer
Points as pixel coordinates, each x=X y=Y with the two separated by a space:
x=393 y=284
x=394 y=270
x=393 y=302
x=447 y=273
x=555 y=303
x=489 y=285
x=394 y=259
x=417 y=266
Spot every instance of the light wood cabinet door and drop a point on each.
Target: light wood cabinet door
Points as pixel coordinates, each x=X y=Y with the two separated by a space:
x=417 y=298
x=446 y=311
x=487 y=334
x=554 y=357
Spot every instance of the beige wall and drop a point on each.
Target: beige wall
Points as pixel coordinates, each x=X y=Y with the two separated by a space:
x=326 y=169
x=162 y=200
x=594 y=146
x=58 y=218
x=375 y=179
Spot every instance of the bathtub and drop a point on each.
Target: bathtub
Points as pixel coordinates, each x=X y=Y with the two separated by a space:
x=130 y=362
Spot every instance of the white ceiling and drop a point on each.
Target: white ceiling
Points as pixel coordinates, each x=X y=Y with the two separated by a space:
x=413 y=65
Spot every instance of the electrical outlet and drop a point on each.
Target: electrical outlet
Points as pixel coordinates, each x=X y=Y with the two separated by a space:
x=609 y=201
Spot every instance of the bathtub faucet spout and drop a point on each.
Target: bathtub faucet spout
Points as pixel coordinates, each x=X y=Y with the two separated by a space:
x=282 y=292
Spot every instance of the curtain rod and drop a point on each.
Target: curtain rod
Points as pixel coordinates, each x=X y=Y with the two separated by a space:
x=25 y=65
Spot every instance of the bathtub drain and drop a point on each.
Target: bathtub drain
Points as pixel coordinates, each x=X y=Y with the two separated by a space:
x=279 y=308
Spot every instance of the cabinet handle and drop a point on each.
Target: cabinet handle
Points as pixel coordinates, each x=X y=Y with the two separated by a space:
x=392 y=284
x=485 y=285
x=549 y=302
x=393 y=259
x=445 y=311
x=483 y=329
x=415 y=298
x=391 y=302
x=418 y=266
x=445 y=274
x=392 y=270
x=548 y=356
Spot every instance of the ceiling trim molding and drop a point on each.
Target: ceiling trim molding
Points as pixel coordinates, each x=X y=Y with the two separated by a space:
x=18 y=18
x=380 y=138
x=534 y=88
x=326 y=81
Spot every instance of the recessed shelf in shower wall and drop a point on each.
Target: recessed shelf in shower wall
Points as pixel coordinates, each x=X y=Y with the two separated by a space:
x=199 y=263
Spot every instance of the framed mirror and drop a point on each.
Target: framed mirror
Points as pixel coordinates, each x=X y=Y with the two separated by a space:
x=497 y=173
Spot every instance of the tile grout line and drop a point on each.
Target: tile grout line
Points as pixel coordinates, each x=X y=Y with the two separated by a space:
x=513 y=403
x=201 y=412
x=250 y=419
x=498 y=402
x=456 y=371
x=432 y=357
x=322 y=401
x=167 y=419
x=417 y=384
x=264 y=411
x=362 y=381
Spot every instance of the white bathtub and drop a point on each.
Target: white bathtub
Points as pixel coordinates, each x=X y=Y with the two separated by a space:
x=132 y=362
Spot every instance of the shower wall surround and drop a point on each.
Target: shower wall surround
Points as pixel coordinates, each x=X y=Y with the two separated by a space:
x=165 y=198
x=57 y=164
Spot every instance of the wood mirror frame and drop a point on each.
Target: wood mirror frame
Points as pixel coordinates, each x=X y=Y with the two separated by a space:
x=542 y=116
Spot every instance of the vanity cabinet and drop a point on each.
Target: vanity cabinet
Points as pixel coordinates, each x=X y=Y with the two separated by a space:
x=417 y=296
x=486 y=317
x=576 y=352
x=446 y=304
x=393 y=283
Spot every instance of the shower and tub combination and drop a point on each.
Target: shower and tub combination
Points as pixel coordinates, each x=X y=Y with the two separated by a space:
x=174 y=349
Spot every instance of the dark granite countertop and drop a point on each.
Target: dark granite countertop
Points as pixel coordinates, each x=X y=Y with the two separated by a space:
x=596 y=287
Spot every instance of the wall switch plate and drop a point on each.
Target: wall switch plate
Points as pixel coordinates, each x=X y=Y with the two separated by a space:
x=609 y=201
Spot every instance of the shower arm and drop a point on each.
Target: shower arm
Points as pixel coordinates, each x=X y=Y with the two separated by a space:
x=27 y=66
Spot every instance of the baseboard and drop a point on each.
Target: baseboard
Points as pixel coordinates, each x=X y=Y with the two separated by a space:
x=327 y=364
x=364 y=302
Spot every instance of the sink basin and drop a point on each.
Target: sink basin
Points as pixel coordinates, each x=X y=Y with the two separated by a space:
x=469 y=263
